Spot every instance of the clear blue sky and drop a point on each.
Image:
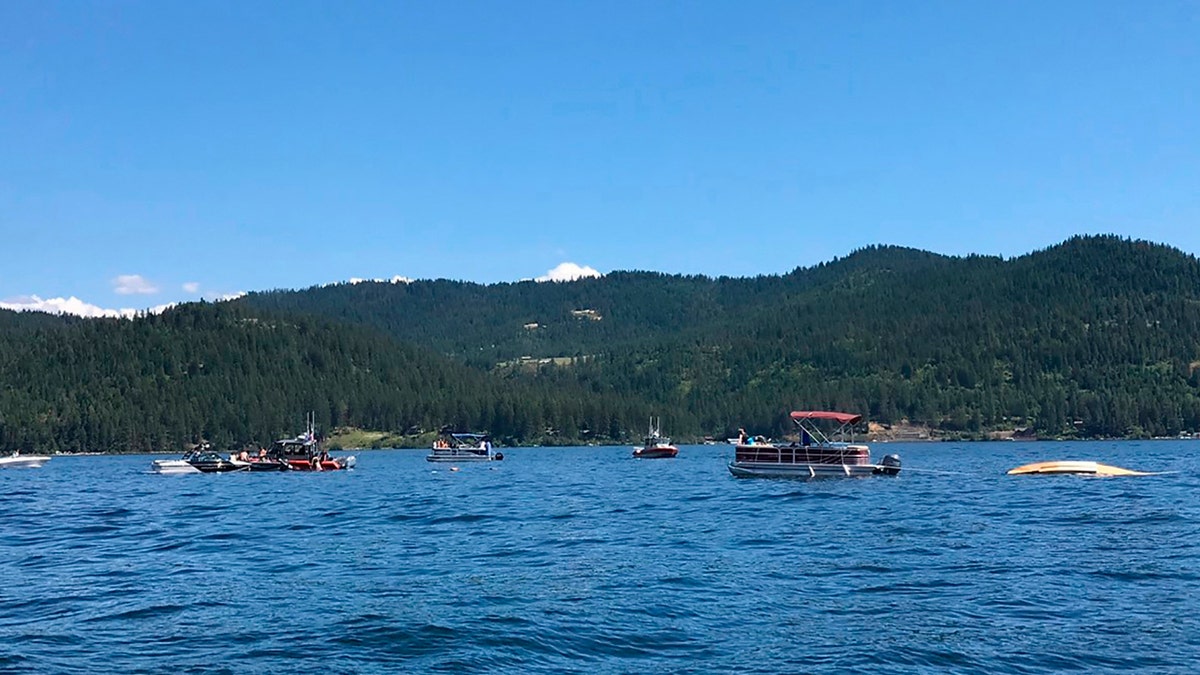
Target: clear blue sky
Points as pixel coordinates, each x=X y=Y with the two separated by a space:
x=248 y=145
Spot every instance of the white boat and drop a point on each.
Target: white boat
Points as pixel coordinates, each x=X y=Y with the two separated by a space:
x=19 y=461
x=815 y=455
x=200 y=460
x=172 y=466
x=463 y=448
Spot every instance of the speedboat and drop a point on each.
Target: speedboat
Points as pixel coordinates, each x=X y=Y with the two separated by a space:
x=814 y=455
x=208 y=461
x=451 y=447
x=201 y=460
x=19 y=461
x=656 y=445
x=172 y=466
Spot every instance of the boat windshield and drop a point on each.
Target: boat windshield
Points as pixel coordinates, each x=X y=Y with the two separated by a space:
x=292 y=447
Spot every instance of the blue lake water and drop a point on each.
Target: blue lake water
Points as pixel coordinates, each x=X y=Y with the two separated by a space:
x=585 y=560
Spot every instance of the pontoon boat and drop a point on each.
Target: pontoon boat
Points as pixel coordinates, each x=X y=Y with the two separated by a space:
x=450 y=447
x=814 y=455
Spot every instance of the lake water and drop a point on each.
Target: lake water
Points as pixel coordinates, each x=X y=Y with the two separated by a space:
x=585 y=560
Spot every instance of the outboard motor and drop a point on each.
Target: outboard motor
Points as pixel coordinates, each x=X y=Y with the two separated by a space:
x=890 y=466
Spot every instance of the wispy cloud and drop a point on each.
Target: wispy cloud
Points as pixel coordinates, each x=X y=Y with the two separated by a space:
x=569 y=271
x=394 y=280
x=191 y=287
x=133 y=284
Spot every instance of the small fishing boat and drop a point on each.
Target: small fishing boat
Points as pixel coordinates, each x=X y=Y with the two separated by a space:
x=656 y=445
x=814 y=455
x=452 y=447
x=19 y=461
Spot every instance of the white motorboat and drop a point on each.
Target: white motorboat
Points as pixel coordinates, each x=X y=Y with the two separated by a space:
x=172 y=466
x=19 y=461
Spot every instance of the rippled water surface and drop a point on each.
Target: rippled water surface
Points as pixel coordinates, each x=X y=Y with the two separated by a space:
x=586 y=560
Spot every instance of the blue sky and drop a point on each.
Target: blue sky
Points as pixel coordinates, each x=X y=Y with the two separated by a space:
x=155 y=152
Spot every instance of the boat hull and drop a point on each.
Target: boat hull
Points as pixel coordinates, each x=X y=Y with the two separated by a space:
x=220 y=467
x=772 y=470
x=172 y=467
x=464 y=457
x=661 y=452
x=1074 y=467
x=268 y=465
x=332 y=464
x=23 y=461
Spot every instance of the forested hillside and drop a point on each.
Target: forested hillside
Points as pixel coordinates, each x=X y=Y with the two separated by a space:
x=1096 y=337
x=231 y=376
x=1099 y=336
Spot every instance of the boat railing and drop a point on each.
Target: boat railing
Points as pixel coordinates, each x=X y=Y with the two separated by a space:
x=798 y=454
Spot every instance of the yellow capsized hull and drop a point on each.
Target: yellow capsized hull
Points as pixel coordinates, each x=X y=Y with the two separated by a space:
x=1075 y=467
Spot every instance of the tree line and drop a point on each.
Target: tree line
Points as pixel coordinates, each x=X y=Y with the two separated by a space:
x=1095 y=337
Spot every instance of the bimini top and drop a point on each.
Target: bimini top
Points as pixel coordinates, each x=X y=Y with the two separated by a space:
x=469 y=437
x=839 y=417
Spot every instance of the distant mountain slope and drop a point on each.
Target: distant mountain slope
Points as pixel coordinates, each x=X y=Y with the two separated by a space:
x=232 y=376
x=1098 y=335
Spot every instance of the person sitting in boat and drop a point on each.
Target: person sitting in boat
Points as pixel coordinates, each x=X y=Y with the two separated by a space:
x=262 y=452
x=741 y=436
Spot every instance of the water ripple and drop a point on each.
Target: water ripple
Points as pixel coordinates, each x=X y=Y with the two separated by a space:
x=587 y=561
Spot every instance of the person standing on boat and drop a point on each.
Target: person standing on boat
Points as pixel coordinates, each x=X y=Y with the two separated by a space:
x=741 y=436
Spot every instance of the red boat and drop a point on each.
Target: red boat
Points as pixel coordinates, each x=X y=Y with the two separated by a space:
x=302 y=453
x=656 y=446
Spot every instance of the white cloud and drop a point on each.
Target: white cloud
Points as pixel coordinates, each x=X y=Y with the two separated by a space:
x=394 y=280
x=191 y=287
x=568 y=271
x=77 y=307
x=133 y=284
x=71 y=305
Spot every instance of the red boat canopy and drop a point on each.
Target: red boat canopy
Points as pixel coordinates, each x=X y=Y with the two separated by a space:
x=840 y=418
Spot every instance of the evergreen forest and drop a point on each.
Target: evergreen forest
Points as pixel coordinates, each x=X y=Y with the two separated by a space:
x=1096 y=337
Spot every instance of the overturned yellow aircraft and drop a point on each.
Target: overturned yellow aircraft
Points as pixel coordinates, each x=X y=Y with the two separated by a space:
x=1075 y=467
